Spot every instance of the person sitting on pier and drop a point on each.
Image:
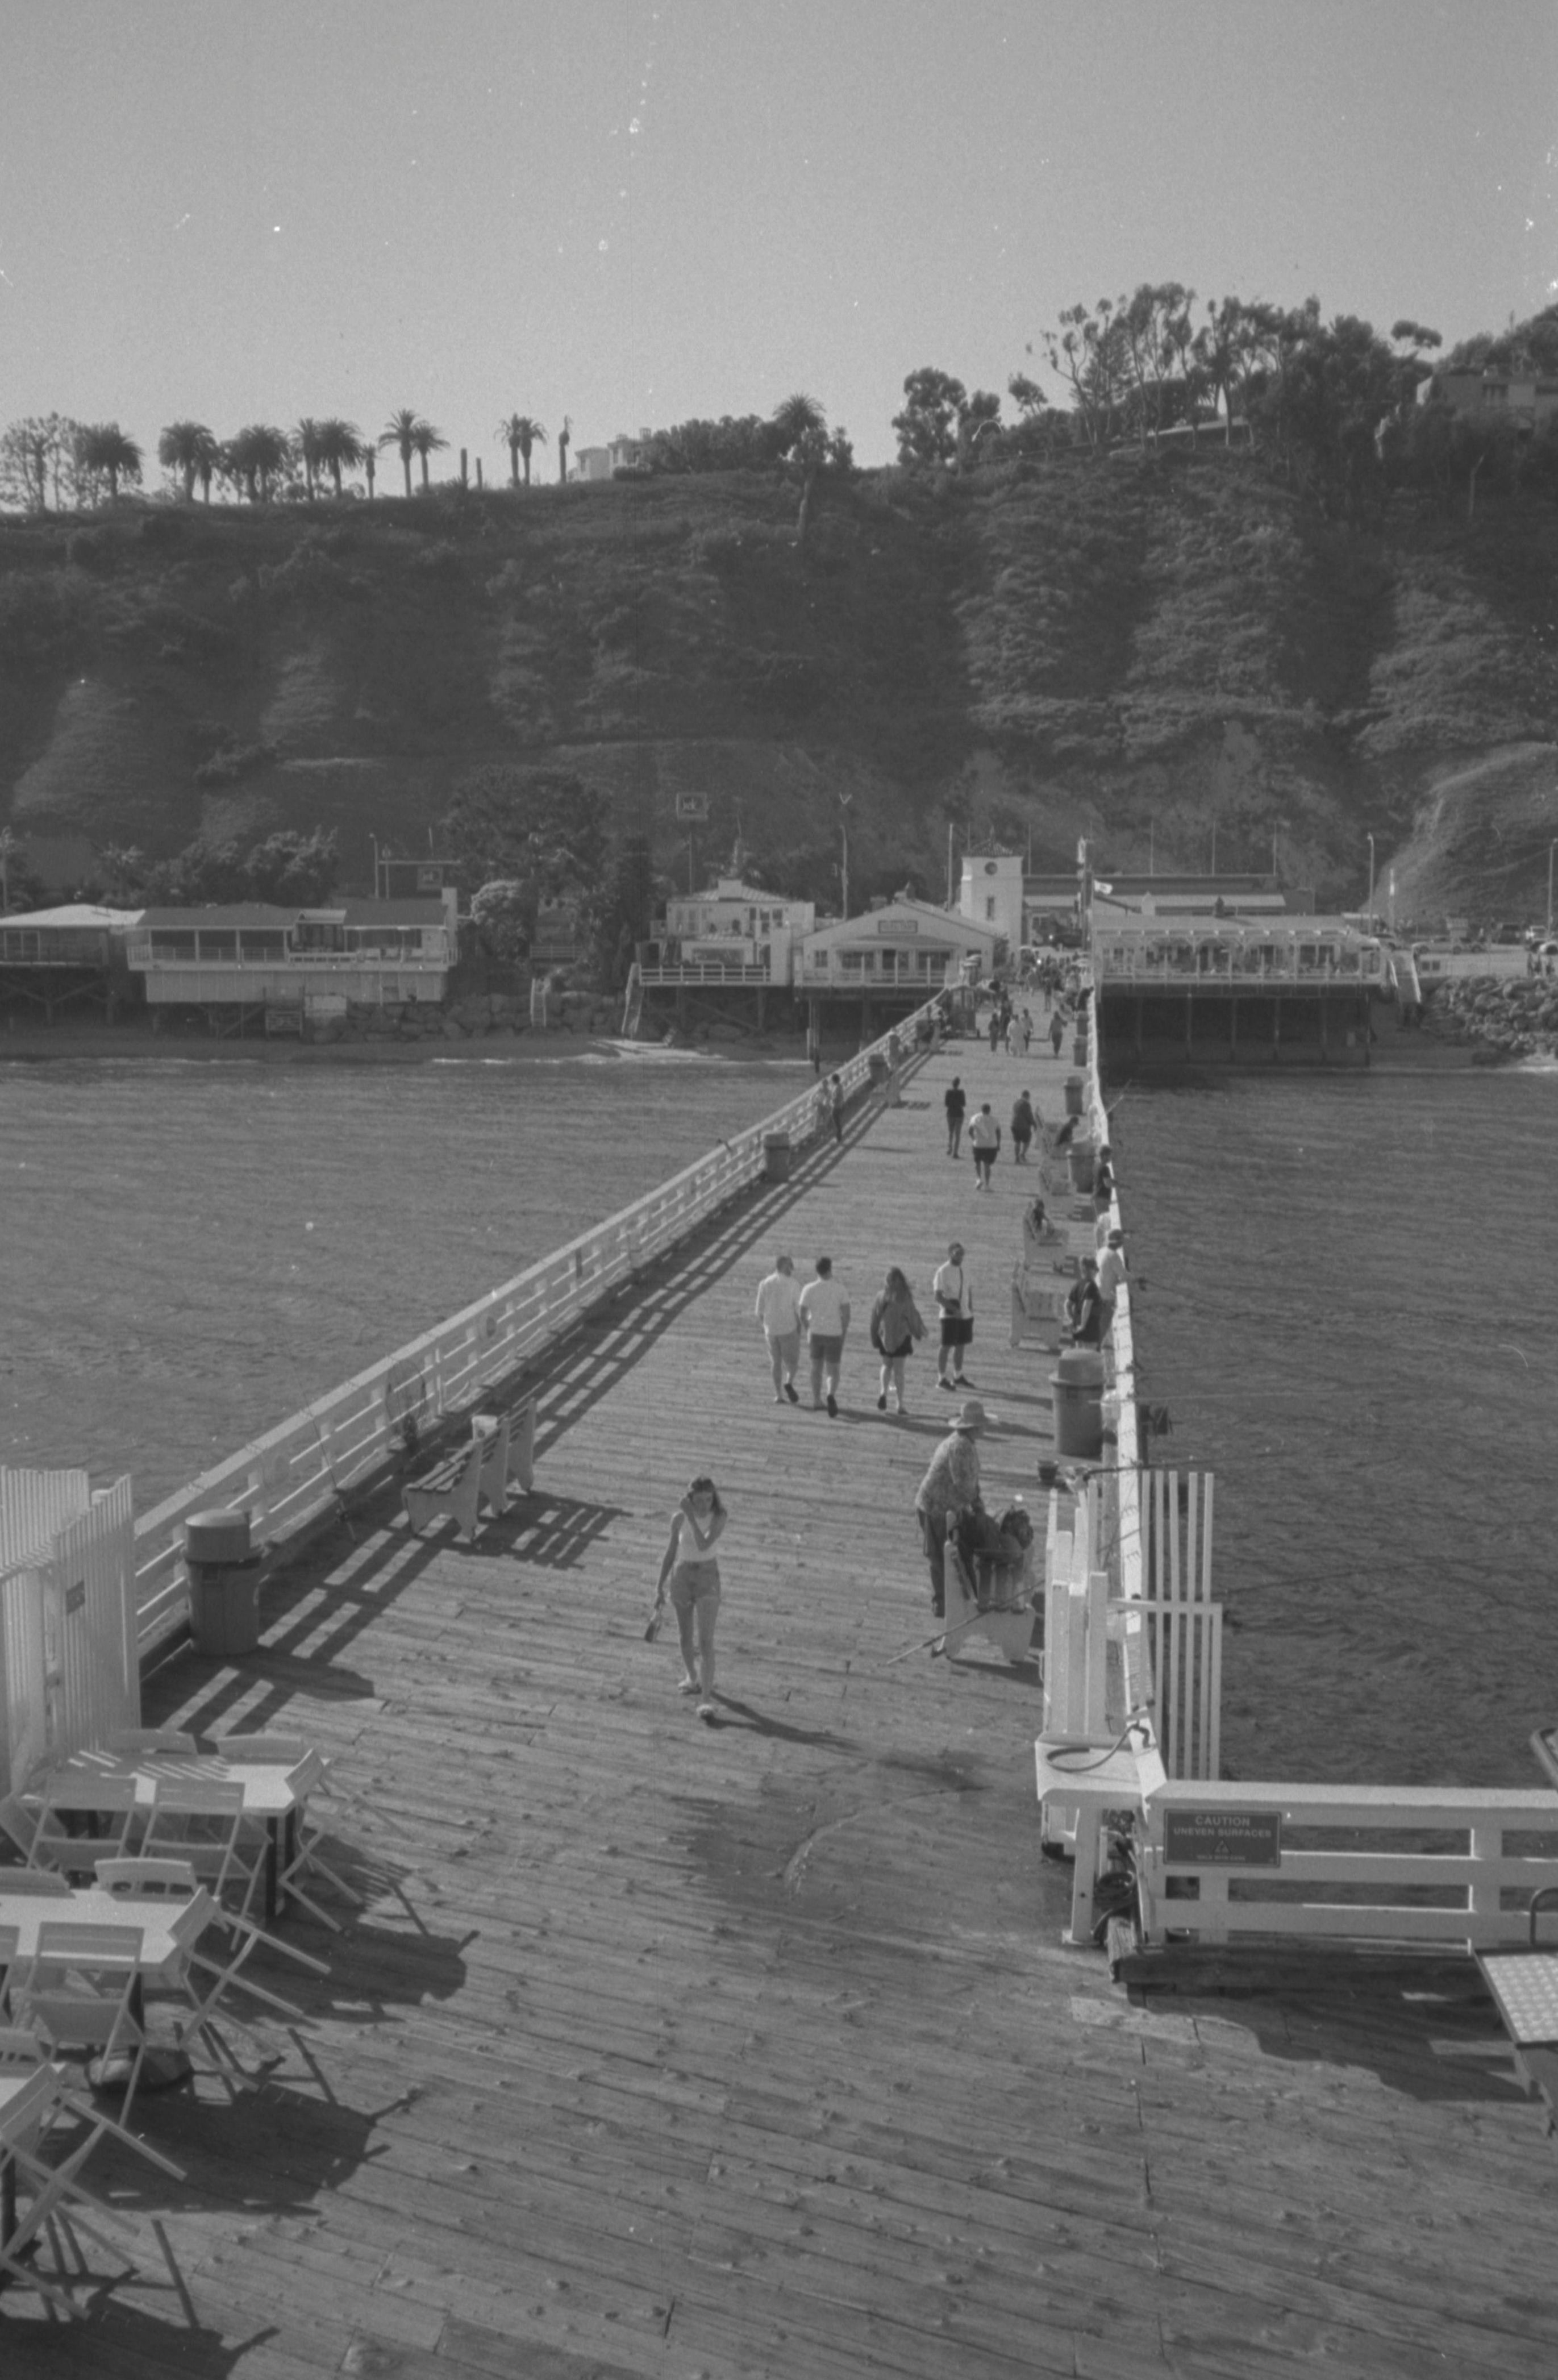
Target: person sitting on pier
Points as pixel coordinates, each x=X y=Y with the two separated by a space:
x=1037 y=1230
x=1085 y=1308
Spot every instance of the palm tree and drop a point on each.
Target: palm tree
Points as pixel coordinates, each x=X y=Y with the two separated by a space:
x=520 y=434
x=188 y=448
x=795 y=416
x=105 y=447
x=259 y=455
x=563 y=437
x=369 y=464
x=426 y=440
x=801 y=427
x=340 y=448
x=305 y=446
x=400 y=432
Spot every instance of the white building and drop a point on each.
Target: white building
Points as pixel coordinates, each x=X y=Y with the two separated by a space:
x=736 y=927
x=259 y=954
x=991 y=895
x=904 y=946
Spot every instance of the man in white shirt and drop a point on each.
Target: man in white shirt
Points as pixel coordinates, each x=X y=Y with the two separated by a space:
x=779 y=1310
x=954 y=1296
x=1111 y=1273
x=825 y=1316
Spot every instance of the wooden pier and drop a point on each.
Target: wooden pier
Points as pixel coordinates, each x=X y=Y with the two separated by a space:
x=665 y=2049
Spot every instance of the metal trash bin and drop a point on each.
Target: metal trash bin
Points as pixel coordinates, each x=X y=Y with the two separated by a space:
x=1073 y=1095
x=1083 y=1158
x=776 y=1154
x=1077 y=1384
x=878 y=1068
x=224 y=1583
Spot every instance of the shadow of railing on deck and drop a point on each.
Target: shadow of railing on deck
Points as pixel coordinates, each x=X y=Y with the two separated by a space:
x=1443 y=2042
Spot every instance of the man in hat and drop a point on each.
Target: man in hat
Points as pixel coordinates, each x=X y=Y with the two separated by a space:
x=949 y=1487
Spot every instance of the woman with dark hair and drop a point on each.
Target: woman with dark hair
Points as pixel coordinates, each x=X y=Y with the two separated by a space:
x=691 y=1574
x=895 y=1326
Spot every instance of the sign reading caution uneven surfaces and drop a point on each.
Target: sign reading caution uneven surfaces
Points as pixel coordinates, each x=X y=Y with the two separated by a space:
x=1221 y=1838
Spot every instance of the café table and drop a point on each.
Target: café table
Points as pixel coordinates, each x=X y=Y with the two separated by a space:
x=273 y=1795
x=169 y=1930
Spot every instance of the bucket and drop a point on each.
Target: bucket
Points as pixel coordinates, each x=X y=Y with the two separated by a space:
x=1077 y=1384
x=776 y=1156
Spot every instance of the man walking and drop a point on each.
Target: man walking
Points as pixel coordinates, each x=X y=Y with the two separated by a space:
x=835 y=1105
x=954 y=1297
x=779 y=1310
x=825 y=1316
x=984 y=1139
x=950 y=1486
x=956 y=1103
x=1022 y=1121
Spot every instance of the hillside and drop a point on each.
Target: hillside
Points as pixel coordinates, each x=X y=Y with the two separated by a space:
x=1143 y=650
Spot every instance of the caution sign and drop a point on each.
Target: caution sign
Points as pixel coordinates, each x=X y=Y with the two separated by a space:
x=1221 y=1838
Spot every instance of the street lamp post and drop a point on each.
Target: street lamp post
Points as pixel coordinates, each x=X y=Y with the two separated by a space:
x=844 y=801
x=1551 y=849
x=1368 y=905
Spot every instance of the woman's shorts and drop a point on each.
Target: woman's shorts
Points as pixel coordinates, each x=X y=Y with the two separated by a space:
x=694 y=1582
x=827 y=1348
x=957 y=1329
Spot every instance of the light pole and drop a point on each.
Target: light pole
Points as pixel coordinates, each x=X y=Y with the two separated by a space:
x=1152 y=847
x=1551 y=849
x=844 y=801
x=1213 y=846
x=1368 y=905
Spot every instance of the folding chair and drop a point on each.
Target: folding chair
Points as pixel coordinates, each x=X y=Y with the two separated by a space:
x=33 y=2097
x=101 y=1809
x=76 y=1991
x=19 y=1824
x=174 y=1879
x=9 y=1939
x=201 y=1821
x=290 y=1752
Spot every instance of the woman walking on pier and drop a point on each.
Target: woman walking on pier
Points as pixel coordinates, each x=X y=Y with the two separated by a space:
x=895 y=1326
x=692 y=1577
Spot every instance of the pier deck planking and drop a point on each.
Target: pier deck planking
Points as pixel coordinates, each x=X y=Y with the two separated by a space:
x=664 y=2050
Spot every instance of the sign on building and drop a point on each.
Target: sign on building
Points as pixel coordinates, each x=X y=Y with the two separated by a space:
x=692 y=808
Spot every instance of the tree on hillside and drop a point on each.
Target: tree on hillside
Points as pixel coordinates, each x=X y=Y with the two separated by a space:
x=627 y=906
x=35 y=455
x=288 y=869
x=563 y=436
x=1155 y=337
x=979 y=420
x=427 y=440
x=544 y=829
x=370 y=459
x=744 y=443
x=927 y=427
x=400 y=432
x=807 y=449
x=1040 y=427
x=190 y=449
x=1412 y=368
x=256 y=459
x=340 y=448
x=104 y=452
x=521 y=435
x=305 y=447
x=1088 y=350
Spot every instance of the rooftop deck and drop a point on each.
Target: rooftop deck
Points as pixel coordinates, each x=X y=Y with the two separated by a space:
x=669 y=2050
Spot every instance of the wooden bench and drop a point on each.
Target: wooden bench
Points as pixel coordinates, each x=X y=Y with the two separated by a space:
x=460 y=1482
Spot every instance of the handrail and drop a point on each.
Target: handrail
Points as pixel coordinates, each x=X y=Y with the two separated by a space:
x=291 y=1477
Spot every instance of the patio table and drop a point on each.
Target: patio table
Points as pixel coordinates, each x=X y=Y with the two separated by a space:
x=273 y=1794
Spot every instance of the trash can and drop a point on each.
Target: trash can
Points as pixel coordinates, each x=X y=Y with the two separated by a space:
x=1073 y=1095
x=1077 y=1383
x=1082 y=1156
x=224 y=1583
x=1079 y=1051
x=776 y=1156
x=878 y=1068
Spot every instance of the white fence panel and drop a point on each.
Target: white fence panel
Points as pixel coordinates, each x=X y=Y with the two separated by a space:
x=68 y=1641
x=24 y=1689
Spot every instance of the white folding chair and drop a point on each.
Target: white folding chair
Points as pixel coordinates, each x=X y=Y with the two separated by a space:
x=291 y=1753
x=200 y=1820
x=174 y=1879
x=33 y=2099
x=77 y=1993
x=84 y=1816
x=10 y=1938
x=19 y=1824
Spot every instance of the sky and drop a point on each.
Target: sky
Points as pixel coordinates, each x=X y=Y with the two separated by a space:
x=628 y=213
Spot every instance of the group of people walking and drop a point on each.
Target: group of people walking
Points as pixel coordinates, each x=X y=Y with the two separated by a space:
x=815 y=1316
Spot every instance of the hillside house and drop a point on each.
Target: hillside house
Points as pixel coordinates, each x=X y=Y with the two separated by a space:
x=1527 y=399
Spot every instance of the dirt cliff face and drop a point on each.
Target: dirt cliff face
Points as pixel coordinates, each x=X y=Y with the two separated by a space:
x=1153 y=654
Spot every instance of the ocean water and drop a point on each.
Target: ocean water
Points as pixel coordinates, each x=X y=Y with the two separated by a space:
x=189 y=1251
x=1351 y=1312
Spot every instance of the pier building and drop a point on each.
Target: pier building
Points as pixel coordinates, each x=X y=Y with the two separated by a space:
x=1238 y=991
x=259 y=962
x=55 y=959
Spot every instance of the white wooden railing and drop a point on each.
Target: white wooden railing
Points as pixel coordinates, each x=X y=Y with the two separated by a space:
x=294 y=1474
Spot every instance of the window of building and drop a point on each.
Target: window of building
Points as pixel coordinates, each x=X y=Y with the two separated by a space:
x=173 y=946
x=989 y=905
